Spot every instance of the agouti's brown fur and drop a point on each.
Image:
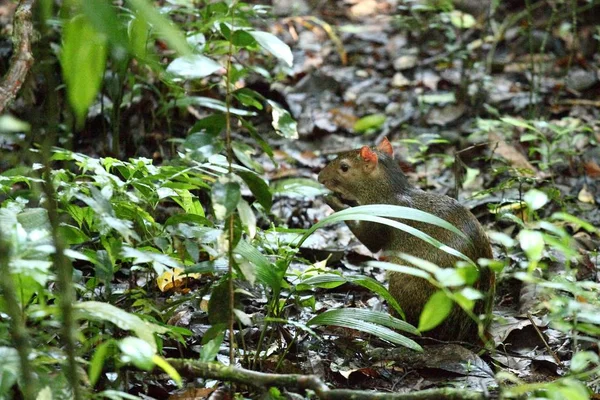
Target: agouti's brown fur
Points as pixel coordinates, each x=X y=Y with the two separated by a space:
x=372 y=176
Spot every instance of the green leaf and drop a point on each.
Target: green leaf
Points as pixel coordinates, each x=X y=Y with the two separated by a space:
x=139 y=37
x=97 y=362
x=561 y=216
x=186 y=218
x=208 y=102
x=373 y=322
x=193 y=66
x=242 y=38
x=10 y=369
x=297 y=188
x=535 y=199
x=517 y=122
x=168 y=368
x=225 y=198
x=99 y=311
x=258 y=187
x=103 y=16
x=330 y=281
x=165 y=28
x=209 y=350
x=160 y=262
x=249 y=98
x=369 y=123
x=283 y=123
x=532 y=243
x=138 y=352
x=374 y=212
x=403 y=269
x=266 y=272
x=461 y=20
x=274 y=45
x=248 y=220
x=435 y=311
x=83 y=58
x=245 y=154
x=219 y=304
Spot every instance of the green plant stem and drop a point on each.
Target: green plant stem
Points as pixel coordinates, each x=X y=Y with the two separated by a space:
x=64 y=271
x=18 y=329
x=232 y=216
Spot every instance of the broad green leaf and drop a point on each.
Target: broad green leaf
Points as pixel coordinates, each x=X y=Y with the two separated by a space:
x=249 y=98
x=99 y=311
x=82 y=58
x=283 y=123
x=138 y=352
x=246 y=154
x=242 y=38
x=165 y=28
x=139 y=36
x=247 y=218
x=160 y=262
x=9 y=123
x=535 y=199
x=258 y=187
x=532 y=243
x=193 y=66
x=297 y=188
x=209 y=350
x=274 y=45
x=103 y=16
x=369 y=123
x=186 y=218
x=582 y=360
x=435 y=311
x=225 y=198
x=366 y=321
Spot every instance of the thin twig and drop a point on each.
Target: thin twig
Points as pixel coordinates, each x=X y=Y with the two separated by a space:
x=22 y=59
x=544 y=340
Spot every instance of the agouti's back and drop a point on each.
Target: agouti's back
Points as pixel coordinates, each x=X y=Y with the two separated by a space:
x=371 y=176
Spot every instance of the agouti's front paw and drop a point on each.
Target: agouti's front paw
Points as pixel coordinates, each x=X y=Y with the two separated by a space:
x=335 y=203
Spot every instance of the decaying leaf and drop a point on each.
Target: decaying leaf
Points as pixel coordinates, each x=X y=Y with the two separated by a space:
x=175 y=279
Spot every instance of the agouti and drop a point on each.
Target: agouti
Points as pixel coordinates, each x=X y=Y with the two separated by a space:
x=372 y=176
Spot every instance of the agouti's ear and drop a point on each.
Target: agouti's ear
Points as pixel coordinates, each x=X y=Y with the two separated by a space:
x=369 y=157
x=386 y=147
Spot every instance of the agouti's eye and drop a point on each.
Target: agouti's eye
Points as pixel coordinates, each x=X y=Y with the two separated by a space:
x=344 y=167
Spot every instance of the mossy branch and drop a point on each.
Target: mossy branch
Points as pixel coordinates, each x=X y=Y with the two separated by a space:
x=22 y=58
x=193 y=368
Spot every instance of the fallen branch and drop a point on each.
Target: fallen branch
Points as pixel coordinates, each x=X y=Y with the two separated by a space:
x=22 y=59
x=194 y=369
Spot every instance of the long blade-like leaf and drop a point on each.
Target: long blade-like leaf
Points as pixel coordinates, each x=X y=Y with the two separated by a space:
x=370 y=322
x=411 y=213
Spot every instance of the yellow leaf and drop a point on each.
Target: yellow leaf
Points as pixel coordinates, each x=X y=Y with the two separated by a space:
x=175 y=279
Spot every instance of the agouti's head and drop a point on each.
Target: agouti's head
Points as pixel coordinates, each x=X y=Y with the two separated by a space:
x=356 y=176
